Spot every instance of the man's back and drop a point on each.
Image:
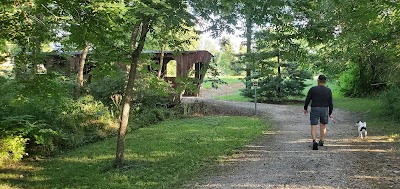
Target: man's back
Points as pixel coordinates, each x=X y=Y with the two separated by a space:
x=320 y=96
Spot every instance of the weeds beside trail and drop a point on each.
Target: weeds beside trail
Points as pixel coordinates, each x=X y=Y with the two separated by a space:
x=165 y=155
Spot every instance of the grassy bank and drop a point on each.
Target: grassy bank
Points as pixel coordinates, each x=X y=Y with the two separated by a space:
x=233 y=97
x=165 y=155
x=227 y=79
x=370 y=110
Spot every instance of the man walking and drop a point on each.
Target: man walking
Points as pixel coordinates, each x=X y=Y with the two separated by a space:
x=321 y=108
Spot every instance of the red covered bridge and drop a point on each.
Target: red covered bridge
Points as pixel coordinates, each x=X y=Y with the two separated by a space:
x=186 y=61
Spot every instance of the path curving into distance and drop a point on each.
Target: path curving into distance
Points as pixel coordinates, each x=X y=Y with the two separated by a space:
x=282 y=157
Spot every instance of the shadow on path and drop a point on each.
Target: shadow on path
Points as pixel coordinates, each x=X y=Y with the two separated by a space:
x=282 y=158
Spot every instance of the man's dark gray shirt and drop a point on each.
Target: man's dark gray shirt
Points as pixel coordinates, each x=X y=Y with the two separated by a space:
x=320 y=96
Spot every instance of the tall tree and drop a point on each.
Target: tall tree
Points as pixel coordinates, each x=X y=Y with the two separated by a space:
x=228 y=15
x=139 y=19
x=226 y=58
x=80 y=26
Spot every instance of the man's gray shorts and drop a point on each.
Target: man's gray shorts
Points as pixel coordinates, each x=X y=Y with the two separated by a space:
x=319 y=115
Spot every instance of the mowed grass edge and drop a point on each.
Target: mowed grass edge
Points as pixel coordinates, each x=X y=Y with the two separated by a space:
x=227 y=79
x=166 y=155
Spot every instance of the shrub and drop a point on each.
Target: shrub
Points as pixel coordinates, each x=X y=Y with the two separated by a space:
x=19 y=132
x=151 y=102
x=84 y=120
x=43 y=111
x=105 y=87
x=12 y=148
x=391 y=103
x=275 y=88
x=360 y=80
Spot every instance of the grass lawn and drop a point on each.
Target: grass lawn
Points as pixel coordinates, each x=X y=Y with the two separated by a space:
x=166 y=155
x=227 y=79
x=233 y=97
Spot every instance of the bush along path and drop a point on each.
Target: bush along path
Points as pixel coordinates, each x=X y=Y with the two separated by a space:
x=283 y=157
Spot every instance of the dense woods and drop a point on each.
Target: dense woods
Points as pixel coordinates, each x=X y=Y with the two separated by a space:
x=42 y=111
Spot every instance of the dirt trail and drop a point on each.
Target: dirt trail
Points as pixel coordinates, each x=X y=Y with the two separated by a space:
x=282 y=158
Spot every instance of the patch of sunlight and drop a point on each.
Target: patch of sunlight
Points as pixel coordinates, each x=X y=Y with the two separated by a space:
x=254 y=146
x=394 y=138
x=375 y=139
x=362 y=150
x=339 y=145
x=164 y=154
x=88 y=158
x=146 y=158
x=263 y=185
x=147 y=184
x=120 y=178
x=246 y=159
x=38 y=179
x=6 y=186
x=236 y=128
x=369 y=139
x=372 y=177
x=193 y=130
x=298 y=141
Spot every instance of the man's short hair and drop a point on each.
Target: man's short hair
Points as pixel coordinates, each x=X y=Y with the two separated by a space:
x=322 y=78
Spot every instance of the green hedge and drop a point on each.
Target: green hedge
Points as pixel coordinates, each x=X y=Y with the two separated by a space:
x=39 y=116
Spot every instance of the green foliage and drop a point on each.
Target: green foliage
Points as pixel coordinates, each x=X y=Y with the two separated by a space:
x=348 y=83
x=35 y=134
x=391 y=103
x=149 y=91
x=148 y=116
x=226 y=60
x=278 y=88
x=207 y=84
x=152 y=90
x=369 y=57
x=43 y=112
x=150 y=104
x=104 y=87
x=83 y=121
x=166 y=155
x=225 y=16
x=12 y=149
x=213 y=76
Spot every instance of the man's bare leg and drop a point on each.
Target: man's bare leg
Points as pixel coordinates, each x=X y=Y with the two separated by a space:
x=314 y=137
x=322 y=131
x=314 y=132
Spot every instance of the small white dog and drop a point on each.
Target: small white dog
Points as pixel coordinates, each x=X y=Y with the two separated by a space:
x=362 y=129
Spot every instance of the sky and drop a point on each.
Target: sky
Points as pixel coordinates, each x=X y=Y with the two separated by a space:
x=207 y=42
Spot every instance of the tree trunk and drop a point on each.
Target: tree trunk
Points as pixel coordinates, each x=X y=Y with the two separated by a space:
x=249 y=32
x=79 y=78
x=119 y=159
x=161 y=61
x=279 y=71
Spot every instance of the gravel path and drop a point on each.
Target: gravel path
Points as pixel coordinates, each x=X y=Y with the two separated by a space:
x=282 y=158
